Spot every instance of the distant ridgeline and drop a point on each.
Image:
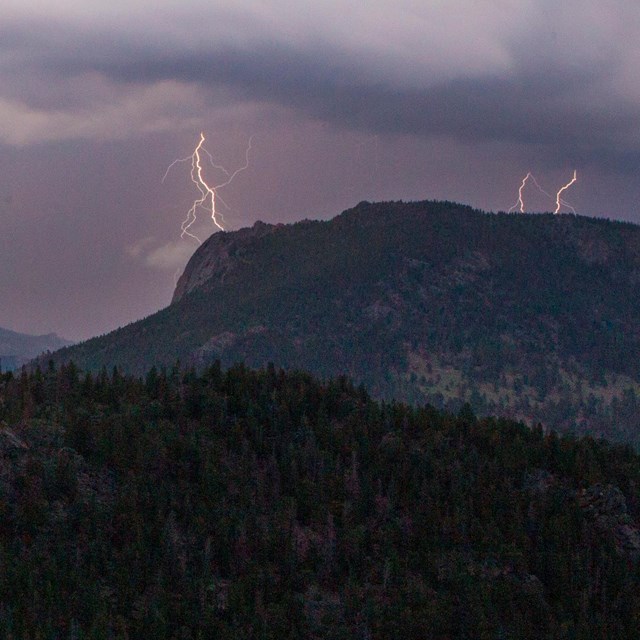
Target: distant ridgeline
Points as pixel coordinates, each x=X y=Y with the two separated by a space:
x=17 y=349
x=531 y=316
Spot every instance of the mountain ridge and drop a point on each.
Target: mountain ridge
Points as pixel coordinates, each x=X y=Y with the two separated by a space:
x=19 y=348
x=529 y=315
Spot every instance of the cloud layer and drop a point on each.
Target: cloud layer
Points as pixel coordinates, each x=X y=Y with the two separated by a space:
x=528 y=72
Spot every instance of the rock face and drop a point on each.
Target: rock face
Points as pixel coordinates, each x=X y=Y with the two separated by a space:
x=603 y=506
x=606 y=507
x=218 y=254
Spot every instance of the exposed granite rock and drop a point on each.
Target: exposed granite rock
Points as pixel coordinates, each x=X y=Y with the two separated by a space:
x=217 y=256
x=216 y=345
x=606 y=507
x=603 y=505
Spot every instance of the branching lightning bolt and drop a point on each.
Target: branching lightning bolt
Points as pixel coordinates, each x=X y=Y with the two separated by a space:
x=519 y=205
x=559 y=200
x=520 y=201
x=208 y=194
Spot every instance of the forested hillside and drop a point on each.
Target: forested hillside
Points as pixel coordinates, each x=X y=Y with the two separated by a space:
x=242 y=504
x=532 y=316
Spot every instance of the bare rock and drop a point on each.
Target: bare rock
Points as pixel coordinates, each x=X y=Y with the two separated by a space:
x=606 y=507
x=218 y=256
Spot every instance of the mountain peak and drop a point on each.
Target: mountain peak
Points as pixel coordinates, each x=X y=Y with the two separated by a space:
x=529 y=315
x=217 y=255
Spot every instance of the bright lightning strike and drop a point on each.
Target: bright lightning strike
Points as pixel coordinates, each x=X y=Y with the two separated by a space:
x=208 y=194
x=519 y=205
x=520 y=201
x=559 y=200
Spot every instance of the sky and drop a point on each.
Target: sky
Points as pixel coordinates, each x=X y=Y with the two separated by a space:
x=343 y=101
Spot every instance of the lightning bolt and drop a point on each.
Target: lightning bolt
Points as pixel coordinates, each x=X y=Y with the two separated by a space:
x=520 y=201
x=208 y=194
x=559 y=200
x=519 y=205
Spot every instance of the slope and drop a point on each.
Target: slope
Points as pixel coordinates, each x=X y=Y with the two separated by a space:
x=531 y=315
x=244 y=504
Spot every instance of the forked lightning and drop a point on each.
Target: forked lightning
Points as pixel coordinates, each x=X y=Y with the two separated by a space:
x=208 y=194
x=519 y=205
x=520 y=202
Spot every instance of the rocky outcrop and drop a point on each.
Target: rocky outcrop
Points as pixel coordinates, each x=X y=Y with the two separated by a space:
x=603 y=506
x=217 y=256
x=606 y=507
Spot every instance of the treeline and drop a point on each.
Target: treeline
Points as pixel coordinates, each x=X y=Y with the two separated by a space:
x=264 y=504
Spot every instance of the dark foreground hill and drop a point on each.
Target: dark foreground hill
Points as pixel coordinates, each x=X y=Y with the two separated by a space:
x=534 y=316
x=246 y=504
x=17 y=349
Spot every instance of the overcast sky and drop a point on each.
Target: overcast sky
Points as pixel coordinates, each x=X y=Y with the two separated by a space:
x=345 y=100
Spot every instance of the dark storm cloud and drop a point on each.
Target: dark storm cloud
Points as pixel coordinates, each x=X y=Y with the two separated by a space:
x=534 y=107
x=528 y=103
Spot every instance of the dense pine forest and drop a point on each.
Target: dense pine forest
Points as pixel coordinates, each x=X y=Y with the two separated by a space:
x=264 y=504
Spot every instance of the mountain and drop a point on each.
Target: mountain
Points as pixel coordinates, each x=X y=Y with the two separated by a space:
x=532 y=316
x=18 y=348
x=264 y=504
